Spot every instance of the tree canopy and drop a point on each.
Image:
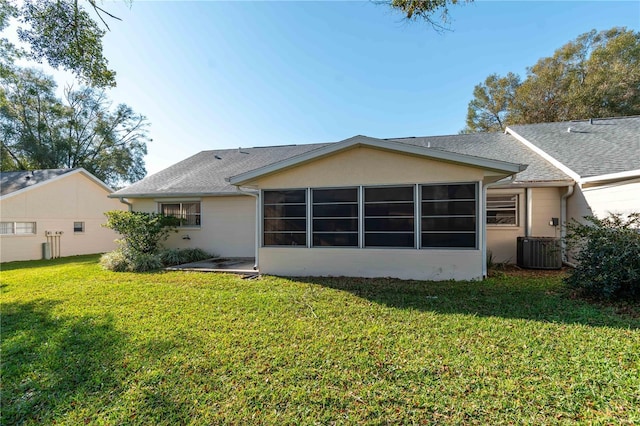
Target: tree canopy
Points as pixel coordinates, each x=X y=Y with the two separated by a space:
x=63 y=33
x=41 y=131
x=594 y=76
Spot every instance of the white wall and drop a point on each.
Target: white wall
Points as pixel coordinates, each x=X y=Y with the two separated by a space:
x=620 y=197
x=227 y=225
x=55 y=206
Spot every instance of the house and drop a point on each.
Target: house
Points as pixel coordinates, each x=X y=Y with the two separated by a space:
x=62 y=207
x=416 y=208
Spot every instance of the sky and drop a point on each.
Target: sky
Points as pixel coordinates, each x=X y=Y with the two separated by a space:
x=229 y=74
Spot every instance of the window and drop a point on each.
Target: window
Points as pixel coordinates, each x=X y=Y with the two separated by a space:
x=188 y=213
x=285 y=218
x=449 y=215
x=78 y=227
x=389 y=217
x=17 y=228
x=502 y=210
x=335 y=217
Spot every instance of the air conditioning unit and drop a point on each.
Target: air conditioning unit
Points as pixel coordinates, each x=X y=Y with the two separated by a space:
x=539 y=253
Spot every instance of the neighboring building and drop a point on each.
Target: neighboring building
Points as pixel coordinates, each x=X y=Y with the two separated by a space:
x=64 y=207
x=422 y=208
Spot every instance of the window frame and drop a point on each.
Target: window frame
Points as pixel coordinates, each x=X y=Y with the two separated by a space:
x=264 y=217
x=313 y=217
x=364 y=203
x=516 y=210
x=182 y=215
x=82 y=227
x=14 y=228
x=476 y=215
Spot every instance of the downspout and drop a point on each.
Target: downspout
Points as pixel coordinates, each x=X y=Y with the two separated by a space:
x=563 y=222
x=483 y=227
x=257 y=244
x=127 y=203
x=528 y=218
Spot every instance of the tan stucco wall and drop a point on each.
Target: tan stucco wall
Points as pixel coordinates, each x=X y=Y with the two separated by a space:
x=54 y=207
x=228 y=225
x=435 y=265
x=545 y=204
x=368 y=166
x=501 y=239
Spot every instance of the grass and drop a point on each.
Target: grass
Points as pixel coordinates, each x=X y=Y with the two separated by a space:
x=85 y=346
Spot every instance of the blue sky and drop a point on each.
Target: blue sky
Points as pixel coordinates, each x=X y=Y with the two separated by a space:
x=211 y=75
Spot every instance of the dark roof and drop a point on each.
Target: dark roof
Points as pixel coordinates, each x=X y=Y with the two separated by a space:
x=205 y=172
x=15 y=181
x=592 y=147
x=496 y=146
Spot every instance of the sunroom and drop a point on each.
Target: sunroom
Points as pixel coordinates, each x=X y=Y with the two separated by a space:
x=369 y=208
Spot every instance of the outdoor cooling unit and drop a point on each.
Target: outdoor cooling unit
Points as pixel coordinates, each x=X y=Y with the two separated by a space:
x=539 y=253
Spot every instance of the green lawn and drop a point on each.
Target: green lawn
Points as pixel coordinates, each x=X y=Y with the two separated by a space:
x=84 y=346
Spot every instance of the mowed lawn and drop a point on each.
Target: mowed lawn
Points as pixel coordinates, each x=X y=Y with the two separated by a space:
x=84 y=346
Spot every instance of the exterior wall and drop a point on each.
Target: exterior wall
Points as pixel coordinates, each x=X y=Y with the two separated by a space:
x=621 y=197
x=501 y=239
x=433 y=265
x=546 y=204
x=367 y=166
x=55 y=206
x=228 y=225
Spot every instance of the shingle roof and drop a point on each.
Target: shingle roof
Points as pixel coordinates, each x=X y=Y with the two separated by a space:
x=205 y=172
x=15 y=181
x=610 y=145
x=496 y=146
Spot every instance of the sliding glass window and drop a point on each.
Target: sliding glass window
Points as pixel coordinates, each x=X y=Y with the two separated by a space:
x=335 y=217
x=449 y=216
x=389 y=216
x=285 y=218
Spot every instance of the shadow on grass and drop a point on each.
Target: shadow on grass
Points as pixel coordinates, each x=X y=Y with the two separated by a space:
x=537 y=299
x=86 y=259
x=51 y=363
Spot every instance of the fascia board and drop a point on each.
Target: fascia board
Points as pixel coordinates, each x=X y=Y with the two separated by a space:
x=575 y=176
x=612 y=176
x=485 y=163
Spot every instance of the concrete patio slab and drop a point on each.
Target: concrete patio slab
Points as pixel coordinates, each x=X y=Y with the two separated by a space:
x=231 y=265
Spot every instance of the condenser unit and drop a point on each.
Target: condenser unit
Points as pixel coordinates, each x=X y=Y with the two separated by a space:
x=539 y=253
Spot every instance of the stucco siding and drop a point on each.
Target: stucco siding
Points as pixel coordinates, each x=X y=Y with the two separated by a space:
x=227 y=225
x=501 y=239
x=546 y=205
x=368 y=166
x=55 y=206
x=436 y=265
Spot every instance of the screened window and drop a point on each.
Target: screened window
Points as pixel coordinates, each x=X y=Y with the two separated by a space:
x=449 y=215
x=335 y=217
x=285 y=218
x=502 y=210
x=188 y=213
x=17 y=228
x=78 y=227
x=389 y=217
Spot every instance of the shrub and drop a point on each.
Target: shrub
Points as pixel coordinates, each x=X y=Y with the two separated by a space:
x=141 y=232
x=115 y=261
x=607 y=252
x=143 y=262
x=172 y=257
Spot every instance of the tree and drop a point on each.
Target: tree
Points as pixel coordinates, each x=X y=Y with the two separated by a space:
x=425 y=10
x=596 y=75
x=64 y=34
x=489 y=109
x=41 y=131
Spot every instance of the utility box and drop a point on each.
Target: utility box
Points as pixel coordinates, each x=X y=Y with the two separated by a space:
x=539 y=253
x=46 y=251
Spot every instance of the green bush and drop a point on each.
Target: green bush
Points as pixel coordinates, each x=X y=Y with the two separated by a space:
x=172 y=257
x=143 y=262
x=115 y=261
x=141 y=232
x=607 y=252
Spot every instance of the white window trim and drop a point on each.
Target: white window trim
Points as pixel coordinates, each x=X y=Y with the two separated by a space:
x=14 y=227
x=516 y=212
x=159 y=204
